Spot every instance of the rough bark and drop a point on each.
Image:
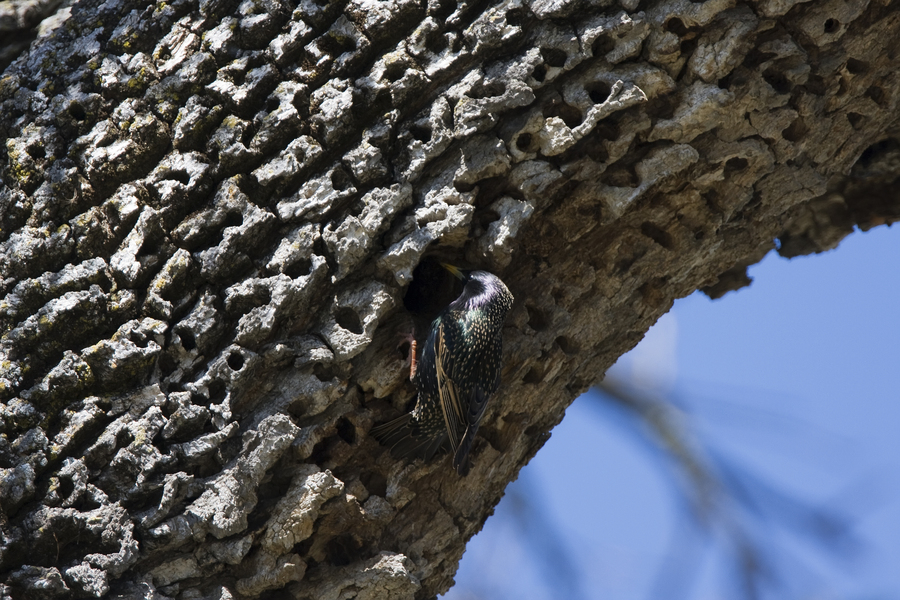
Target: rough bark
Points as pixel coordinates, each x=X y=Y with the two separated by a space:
x=217 y=216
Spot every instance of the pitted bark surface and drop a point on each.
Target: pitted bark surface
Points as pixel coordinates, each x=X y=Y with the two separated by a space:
x=216 y=217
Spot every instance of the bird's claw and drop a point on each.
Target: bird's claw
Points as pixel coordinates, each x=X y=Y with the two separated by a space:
x=410 y=338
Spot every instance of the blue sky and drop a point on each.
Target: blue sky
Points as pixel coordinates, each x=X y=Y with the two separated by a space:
x=789 y=385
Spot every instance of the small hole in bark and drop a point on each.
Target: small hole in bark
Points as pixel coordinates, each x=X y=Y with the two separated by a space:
x=489 y=190
x=233 y=219
x=403 y=349
x=444 y=9
x=533 y=376
x=342 y=550
x=658 y=235
x=36 y=151
x=523 y=141
x=187 y=340
x=394 y=71
x=593 y=147
x=436 y=42
x=299 y=268
x=516 y=16
x=778 y=81
x=687 y=47
x=181 y=176
x=831 y=25
x=235 y=361
x=237 y=77
x=676 y=26
x=857 y=67
x=570 y=115
x=856 y=120
x=347 y=318
x=757 y=57
x=735 y=79
x=65 y=487
x=150 y=246
x=567 y=345
x=598 y=91
x=323 y=373
x=663 y=107
x=602 y=45
x=420 y=132
x=272 y=104
x=733 y=165
x=607 y=129
x=540 y=72
x=375 y=483
x=335 y=46
x=815 y=85
x=346 y=430
x=167 y=364
x=217 y=391
x=320 y=452
x=537 y=320
x=875 y=153
x=621 y=176
x=877 y=95
x=340 y=180
x=76 y=111
x=554 y=57
x=490 y=89
x=795 y=131
x=591 y=211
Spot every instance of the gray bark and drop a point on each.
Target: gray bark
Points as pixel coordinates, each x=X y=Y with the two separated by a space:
x=213 y=213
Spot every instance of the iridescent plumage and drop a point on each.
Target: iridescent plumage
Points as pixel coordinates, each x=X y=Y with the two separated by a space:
x=457 y=372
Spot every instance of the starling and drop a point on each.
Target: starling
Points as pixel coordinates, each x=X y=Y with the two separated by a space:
x=458 y=371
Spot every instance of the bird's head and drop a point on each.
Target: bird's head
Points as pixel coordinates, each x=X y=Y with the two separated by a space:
x=479 y=287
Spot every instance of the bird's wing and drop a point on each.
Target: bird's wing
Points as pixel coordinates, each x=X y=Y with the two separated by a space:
x=448 y=391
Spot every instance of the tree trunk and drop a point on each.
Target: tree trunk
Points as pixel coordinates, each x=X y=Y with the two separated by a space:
x=217 y=218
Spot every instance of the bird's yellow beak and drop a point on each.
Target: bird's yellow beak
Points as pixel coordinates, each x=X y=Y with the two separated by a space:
x=453 y=270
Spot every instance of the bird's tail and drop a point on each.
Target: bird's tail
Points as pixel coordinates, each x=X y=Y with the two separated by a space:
x=461 y=457
x=405 y=440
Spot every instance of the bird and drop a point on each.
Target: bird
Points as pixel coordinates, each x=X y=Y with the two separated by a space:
x=457 y=373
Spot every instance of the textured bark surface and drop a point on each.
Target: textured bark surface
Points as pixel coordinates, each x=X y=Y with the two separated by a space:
x=216 y=217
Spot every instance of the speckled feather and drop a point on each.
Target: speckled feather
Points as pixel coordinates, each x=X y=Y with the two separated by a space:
x=458 y=371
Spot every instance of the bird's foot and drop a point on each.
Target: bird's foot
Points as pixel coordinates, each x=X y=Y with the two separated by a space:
x=410 y=338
